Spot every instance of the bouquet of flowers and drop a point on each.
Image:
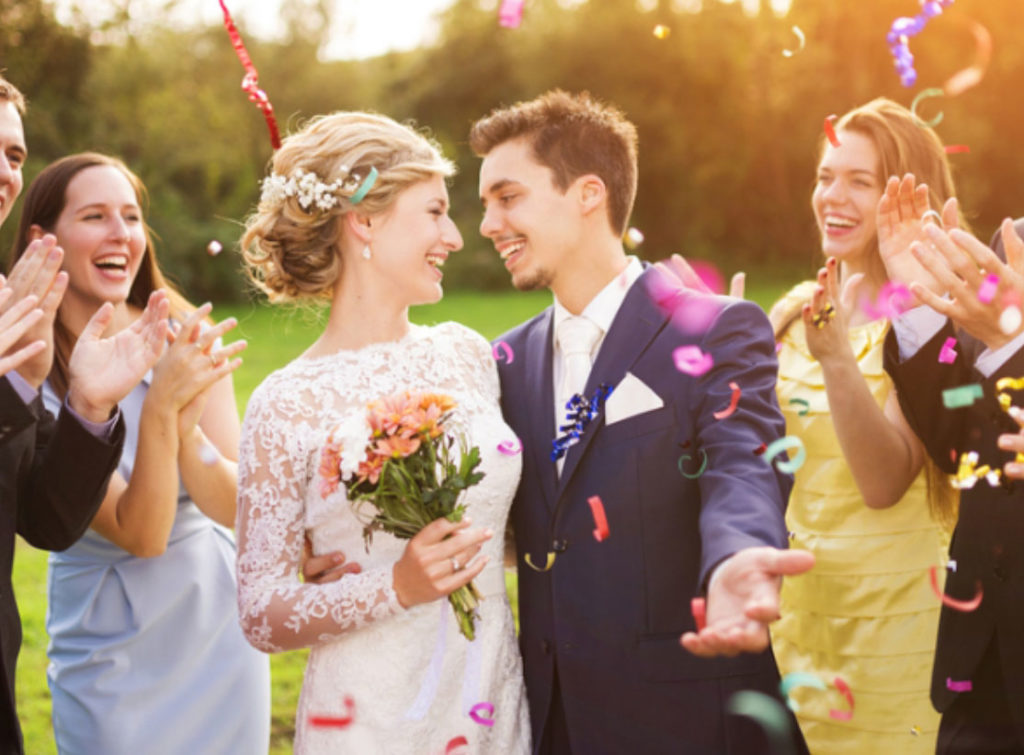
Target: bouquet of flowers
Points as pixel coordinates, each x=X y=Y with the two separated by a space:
x=404 y=460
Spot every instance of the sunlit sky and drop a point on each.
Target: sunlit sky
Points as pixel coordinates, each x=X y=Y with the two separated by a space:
x=362 y=28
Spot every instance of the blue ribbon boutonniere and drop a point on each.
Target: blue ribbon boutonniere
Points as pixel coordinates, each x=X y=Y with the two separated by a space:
x=579 y=412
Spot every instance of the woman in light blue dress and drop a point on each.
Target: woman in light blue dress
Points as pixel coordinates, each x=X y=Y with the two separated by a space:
x=146 y=653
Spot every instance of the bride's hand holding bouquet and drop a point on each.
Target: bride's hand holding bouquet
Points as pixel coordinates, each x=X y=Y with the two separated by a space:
x=404 y=459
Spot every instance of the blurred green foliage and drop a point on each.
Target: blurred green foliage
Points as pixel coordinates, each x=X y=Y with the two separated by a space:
x=729 y=127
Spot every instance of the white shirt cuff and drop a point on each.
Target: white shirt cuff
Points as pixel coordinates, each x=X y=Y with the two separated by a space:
x=989 y=361
x=916 y=327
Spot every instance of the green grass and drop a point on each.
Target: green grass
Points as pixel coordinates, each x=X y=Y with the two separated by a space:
x=275 y=336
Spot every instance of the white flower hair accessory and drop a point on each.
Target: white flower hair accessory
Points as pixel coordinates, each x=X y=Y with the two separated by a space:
x=310 y=191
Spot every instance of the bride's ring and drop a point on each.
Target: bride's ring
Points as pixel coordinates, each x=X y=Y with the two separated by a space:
x=456 y=566
x=213 y=361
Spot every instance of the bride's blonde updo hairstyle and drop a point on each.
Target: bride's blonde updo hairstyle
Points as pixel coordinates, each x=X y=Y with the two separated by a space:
x=292 y=242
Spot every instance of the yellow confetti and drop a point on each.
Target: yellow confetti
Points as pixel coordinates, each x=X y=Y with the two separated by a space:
x=661 y=31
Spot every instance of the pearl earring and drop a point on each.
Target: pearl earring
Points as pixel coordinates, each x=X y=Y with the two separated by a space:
x=366 y=252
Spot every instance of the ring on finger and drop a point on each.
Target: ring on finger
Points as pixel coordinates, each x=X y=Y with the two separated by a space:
x=213 y=361
x=824 y=317
x=456 y=566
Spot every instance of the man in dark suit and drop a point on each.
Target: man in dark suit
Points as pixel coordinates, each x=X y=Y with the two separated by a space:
x=978 y=676
x=53 y=473
x=689 y=504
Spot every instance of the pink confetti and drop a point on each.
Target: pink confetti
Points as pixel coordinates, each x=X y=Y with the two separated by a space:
x=955 y=686
x=733 y=403
x=475 y=714
x=893 y=300
x=499 y=347
x=691 y=361
x=987 y=289
x=691 y=311
x=957 y=605
x=510 y=447
x=698 y=607
x=455 y=743
x=710 y=275
x=947 y=355
x=510 y=15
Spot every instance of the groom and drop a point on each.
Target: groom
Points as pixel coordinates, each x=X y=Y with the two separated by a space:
x=691 y=508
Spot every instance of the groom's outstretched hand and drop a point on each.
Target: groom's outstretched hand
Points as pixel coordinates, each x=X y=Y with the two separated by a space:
x=743 y=598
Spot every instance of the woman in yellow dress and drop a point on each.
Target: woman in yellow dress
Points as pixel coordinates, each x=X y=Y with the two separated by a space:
x=864 y=500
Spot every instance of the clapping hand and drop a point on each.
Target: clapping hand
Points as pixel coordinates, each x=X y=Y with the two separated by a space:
x=827 y=315
x=678 y=270
x=14 y=323
x=37 y=273
x=743 y=598
x=102 y=371
x=960 y=263
x=902 y=216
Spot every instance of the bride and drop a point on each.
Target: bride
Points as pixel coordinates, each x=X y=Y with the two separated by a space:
x=356 y=210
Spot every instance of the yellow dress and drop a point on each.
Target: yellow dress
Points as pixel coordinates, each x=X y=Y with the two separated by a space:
x=866 y=611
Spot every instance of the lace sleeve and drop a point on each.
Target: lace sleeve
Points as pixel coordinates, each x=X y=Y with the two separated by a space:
x=277 y=610
x=476 y=351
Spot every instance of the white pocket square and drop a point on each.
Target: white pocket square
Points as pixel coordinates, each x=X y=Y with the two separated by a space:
x=630 y=397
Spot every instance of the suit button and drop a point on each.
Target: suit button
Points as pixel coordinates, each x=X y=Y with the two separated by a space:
x=561 y=545
x=545 y=646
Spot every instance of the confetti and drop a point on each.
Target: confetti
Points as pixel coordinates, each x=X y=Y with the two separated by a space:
x=661 y=31
x=798 y=679
x=510 y=15
x=633 y=238
x=965 y=606
x=1014 y=384
x=955 y=686
x=250 y=82
x=690 y=360
x=336 y=722
x=801 y=402
x=789 y=442
x=947 y=355
x=699 y=609
x=502 y=347
x=760 y=449
x=1010 y=319
x=961 y=396
x=699 y=472
x=831 y=132
x=475 y=714
x=844 y=690
x=957 y=149
x=987 y=289
x=922 y=95
x=214 y=248
x=969 y=77
x=915 y=730
x=547 y=566
x=454 y=743
x=208 y=455
x=510 y=447
x=766 y=711
x=905 y=27
x=893 y=300
x=802 y=42
x=951 y=565
x=968 y=472
x=733 y=403
x=600 y=520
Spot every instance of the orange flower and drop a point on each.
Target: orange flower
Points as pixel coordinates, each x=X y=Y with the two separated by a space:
x=370 y=469
x=442 y=401
x=397 y=446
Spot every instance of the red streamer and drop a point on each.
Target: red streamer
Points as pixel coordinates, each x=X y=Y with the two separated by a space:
x=831 y=132
x=250 y=82
x=455 y=742
x=956 y=605
x=844 y=690
x=732 y=404
x=699 y=609
x=600 y=520
x=957 y=149
x=336 y=722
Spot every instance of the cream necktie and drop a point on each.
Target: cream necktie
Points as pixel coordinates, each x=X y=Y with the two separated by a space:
x=576 y=339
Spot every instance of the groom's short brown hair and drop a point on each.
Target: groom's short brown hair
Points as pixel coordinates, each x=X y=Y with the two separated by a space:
x=573 y=135
x=10 y=93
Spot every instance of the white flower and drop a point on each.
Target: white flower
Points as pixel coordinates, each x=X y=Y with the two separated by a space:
x=353 y=436
x=306 y=187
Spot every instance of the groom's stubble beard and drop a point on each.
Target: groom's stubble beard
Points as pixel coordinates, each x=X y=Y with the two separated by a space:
x=534 y=281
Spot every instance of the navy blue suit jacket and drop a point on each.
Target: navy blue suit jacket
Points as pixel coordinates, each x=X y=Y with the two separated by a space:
x=610 y=614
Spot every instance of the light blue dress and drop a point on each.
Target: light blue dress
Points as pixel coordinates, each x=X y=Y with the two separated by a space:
x=146 y=654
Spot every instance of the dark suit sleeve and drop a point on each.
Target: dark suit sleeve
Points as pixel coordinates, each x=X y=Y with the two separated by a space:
x=920 y=381
x=743 y=499
x=15 y=416
x=62 y=487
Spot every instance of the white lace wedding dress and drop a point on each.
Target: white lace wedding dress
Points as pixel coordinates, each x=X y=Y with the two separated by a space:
x=410 y=675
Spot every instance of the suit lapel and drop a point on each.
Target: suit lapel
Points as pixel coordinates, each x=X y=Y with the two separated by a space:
x=539 y=403
x=637 y=323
